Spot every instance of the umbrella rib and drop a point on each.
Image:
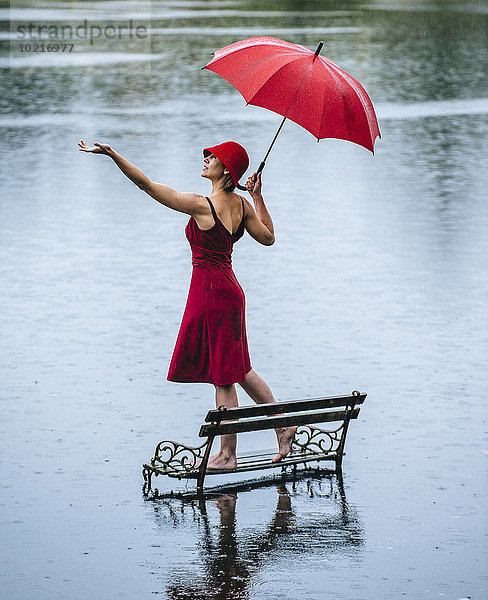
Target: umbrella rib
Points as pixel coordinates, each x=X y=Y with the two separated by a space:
x=300 y=84
x=277 y=71
x=322 y=112
x=310 y=66
x=337 y=73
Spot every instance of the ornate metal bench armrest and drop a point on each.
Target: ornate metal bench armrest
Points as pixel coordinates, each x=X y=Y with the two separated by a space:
x=314 y=439
x=173 y=457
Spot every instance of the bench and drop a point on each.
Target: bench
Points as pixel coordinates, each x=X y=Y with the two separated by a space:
x=310 y=443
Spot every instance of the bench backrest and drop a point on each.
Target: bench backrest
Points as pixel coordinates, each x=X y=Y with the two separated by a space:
x=281 y=414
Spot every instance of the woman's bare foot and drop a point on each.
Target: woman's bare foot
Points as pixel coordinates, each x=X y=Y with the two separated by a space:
x=219 y=462
x=285 y=437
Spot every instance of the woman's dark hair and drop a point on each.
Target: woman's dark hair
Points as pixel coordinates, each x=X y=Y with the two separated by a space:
x=229 y=185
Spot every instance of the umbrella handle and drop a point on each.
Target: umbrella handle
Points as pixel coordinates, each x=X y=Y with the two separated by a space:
x=260 y=168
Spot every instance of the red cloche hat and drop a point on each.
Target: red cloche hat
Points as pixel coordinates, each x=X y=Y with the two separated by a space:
x=234 y=157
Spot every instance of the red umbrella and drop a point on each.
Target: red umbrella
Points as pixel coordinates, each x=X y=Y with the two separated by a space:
x=300 y=85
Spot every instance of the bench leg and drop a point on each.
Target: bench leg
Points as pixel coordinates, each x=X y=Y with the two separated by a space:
x=340 y=449
x=147 y=481
x=204 y=463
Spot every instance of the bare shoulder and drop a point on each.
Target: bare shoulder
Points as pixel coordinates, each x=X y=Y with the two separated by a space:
x=248 y=207
x=191 y=203
x=199 y=203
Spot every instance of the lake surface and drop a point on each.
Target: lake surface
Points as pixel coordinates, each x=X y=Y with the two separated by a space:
x=377 y=282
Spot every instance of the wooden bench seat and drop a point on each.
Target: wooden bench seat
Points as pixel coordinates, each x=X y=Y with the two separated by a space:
x=310 y=443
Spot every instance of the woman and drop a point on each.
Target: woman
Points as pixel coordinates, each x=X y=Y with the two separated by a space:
x=212 y=345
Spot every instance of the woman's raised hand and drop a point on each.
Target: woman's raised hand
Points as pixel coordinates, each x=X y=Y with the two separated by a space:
x=96 y=148
x=253 y=184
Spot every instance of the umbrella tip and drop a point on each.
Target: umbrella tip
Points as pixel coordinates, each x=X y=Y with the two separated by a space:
x=319 y=48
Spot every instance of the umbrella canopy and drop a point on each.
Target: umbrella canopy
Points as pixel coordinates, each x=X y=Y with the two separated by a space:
x=300 y=85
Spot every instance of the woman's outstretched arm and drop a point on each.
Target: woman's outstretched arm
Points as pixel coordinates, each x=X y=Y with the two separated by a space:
x=185 y=202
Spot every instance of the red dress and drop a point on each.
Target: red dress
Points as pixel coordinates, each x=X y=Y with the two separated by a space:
x=212 y=346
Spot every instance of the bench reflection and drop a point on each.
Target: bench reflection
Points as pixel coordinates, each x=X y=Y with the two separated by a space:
x=232 y=554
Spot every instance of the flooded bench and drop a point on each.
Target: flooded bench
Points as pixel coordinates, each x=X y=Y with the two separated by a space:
x=310 y=444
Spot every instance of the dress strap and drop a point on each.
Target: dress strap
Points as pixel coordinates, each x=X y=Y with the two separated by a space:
x=214 y=214
x=243 y=212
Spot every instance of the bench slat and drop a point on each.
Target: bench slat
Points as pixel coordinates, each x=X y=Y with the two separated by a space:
x=266 y=463
x=274 y=422
x=294 y=460
x=296 y=455
x=276 y=408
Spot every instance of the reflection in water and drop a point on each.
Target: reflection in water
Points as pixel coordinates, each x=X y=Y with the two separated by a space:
x=232 y=554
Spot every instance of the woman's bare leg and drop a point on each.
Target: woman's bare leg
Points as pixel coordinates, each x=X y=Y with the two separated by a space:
x=255 y=387
x=225 y=395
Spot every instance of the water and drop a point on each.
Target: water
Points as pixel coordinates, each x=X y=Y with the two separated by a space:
x=377 y=282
